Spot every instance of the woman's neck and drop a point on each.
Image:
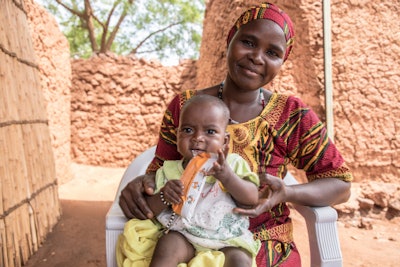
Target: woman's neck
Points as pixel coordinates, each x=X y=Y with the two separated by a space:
x=231 y=94
x=243 y=105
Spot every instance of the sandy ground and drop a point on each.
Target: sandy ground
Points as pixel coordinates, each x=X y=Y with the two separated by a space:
x=78 y=239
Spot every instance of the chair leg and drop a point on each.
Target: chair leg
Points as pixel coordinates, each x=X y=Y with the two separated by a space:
x=111 y=241
x=323 y=235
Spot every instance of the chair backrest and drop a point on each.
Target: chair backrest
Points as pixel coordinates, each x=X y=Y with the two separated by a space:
x=136 y=168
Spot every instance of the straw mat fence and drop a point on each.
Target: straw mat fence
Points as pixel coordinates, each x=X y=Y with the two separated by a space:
x=29 y=205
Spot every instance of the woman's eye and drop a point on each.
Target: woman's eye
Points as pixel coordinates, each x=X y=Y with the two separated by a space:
x=248 y=43
x=271 y=53
x=187 y=130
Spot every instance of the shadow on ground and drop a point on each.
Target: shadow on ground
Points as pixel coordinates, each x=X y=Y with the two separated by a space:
x=78 y=239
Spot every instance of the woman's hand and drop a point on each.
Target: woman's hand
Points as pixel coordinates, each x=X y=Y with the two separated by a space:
x=318 y=193
x=132 y=199
x=272 y=192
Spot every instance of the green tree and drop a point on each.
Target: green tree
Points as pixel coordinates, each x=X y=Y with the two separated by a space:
x=145 y=28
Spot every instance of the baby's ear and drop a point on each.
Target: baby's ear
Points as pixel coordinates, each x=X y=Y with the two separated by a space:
x=225 y=148
x=227 y=138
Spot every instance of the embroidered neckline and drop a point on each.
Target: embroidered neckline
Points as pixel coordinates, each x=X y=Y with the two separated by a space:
x=261 y=96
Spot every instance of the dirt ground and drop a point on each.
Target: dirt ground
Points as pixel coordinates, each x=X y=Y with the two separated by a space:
x=78 y=239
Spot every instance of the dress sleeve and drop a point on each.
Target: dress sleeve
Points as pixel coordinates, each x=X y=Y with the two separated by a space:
x=242 y=169
x=166 y=146
x=310 y=148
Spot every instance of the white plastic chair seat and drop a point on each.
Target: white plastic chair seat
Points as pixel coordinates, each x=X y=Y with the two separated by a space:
x=321 y=221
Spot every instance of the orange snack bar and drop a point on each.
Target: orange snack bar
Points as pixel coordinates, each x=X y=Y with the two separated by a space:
x=193 y=169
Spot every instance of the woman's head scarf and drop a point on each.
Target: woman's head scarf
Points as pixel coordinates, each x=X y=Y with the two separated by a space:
x=266 y=11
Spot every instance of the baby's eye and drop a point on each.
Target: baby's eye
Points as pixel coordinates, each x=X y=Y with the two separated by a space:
x=211 y=131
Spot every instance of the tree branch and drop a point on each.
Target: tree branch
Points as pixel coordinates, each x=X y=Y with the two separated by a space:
x=134 y=51
x=148 y=51
x=114 y=32
x=73 y=11
x=90 y=25
x=106 y=45
x=106 y=25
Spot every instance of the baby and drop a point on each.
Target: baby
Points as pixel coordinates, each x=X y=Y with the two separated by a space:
x=217 y=183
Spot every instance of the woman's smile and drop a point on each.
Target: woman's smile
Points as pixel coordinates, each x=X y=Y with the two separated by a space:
x=249 y=70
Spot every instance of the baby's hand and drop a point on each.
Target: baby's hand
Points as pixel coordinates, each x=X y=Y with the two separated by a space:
x=173 y=191
x=220 y=165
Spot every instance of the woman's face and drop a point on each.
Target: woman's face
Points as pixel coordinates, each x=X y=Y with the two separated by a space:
x=255 y=54
x=201 y=129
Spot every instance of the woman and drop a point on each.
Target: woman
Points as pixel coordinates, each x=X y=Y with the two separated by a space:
x=269 y=130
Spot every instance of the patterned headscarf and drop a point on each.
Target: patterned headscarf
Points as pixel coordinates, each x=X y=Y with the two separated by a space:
x=266 y=11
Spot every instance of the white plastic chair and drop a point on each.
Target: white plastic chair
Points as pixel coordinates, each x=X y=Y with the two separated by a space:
x=321 y=221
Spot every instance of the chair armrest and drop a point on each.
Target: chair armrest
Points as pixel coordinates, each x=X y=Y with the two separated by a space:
x=115 y=218
x=137 y=167
x=323 y=236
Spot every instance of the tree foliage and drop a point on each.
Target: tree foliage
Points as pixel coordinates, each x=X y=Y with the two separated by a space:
x=148 y=28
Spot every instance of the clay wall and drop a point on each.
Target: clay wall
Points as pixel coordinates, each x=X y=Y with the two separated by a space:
x=52 y=53
x=117 y=106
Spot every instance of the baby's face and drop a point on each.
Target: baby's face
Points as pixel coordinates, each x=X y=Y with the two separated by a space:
x=202 y=128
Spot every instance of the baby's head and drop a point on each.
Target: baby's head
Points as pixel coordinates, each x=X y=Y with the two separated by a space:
x=207 y=103
x=202 y=126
